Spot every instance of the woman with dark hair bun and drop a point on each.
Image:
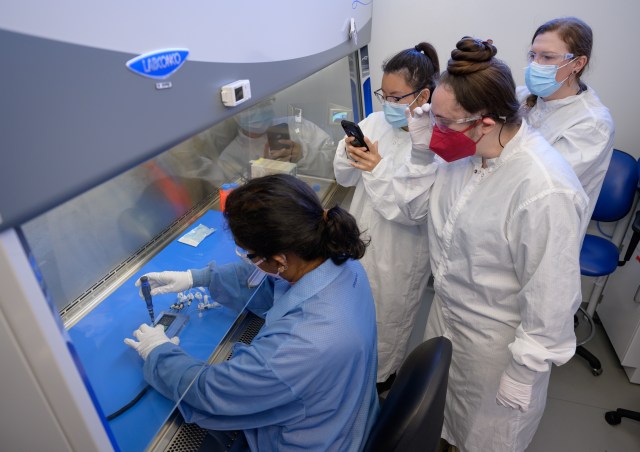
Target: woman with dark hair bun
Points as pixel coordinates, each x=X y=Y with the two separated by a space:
x=397 y=261
x=307 y=380
x=506 y=217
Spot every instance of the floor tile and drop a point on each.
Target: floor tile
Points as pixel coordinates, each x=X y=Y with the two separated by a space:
x=569 y=426
x=576 y=403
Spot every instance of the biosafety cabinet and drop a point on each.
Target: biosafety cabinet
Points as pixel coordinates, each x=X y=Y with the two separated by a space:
x=120 y=122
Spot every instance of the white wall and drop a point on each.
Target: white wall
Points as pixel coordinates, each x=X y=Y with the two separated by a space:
x=614 y=67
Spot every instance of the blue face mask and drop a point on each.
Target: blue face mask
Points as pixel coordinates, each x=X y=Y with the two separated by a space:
x=394 y=114
x=541 y=79
x=257 y=119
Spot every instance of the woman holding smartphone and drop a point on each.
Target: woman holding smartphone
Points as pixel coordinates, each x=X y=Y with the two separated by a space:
x=397 y=261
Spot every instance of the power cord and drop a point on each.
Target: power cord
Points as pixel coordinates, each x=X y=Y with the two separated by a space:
x=135 y=400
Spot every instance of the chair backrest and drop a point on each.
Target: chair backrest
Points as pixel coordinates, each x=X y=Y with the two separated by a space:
x=618 y=188
x=412 y=415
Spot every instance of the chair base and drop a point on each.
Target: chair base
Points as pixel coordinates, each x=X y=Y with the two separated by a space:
x=596 y=367
x=581 y=337
x=615 y=417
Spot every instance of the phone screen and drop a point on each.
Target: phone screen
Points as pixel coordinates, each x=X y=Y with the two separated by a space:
x=353 y=130
x=277 y=133
x=166 y=320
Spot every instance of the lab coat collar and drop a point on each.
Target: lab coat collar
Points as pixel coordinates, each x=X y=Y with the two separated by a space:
x=555 y=104
x=514 y=144
x=305 y=288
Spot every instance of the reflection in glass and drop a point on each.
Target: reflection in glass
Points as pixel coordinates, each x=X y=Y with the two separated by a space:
x=78 y=242
x=81 y=244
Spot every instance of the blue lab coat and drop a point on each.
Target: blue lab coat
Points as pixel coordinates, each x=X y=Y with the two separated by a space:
x=306 y=382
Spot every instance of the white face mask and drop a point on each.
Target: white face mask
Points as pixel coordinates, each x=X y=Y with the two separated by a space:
x=260 y=261
x=275 y=275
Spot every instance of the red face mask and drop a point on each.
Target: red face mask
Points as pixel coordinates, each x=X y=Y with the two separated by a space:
x=453 y=145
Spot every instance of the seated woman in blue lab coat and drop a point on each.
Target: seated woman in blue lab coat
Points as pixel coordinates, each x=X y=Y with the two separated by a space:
x=307 y=381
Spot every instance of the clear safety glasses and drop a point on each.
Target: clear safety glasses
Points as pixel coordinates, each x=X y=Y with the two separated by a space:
x=444 y=124
x=245 y=254
x=392 y=99
x=249 y=257
x=548 y=58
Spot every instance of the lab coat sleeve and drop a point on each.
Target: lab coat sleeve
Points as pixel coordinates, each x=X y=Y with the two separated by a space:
x=317 y=151
x=346 y=175
x=412 y=184
x=241 y=393
x=227 y=285
x=587 y=146
x=544 y=236
x=379 y=187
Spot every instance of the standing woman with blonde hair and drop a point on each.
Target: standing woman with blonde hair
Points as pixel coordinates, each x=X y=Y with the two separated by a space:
x=506 y=217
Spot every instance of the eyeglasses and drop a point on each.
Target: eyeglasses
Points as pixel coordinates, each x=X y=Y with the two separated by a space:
x=444 y=124
x=245 y=254
x=393 y=99
x=548 y=58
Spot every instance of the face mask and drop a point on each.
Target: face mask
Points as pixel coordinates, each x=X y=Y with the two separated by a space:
x=256 y=120
x=275 y=275
x=394 y=114
x=541 y=79
x=452 y=145
x=260 y=261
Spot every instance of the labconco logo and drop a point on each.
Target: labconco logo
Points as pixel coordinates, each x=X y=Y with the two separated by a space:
x=159 y=64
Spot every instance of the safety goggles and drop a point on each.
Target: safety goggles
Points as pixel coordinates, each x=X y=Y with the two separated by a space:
x=444 y=124
x=245 y=254
x=548 y=58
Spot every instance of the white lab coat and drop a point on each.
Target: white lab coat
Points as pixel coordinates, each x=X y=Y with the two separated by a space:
x=580 y=127
x=316 y=149
x=397 y=259
x=504 y=243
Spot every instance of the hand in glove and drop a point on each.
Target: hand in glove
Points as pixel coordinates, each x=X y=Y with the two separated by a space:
x=168 y=282
x=513 y=394
x=420 y=127
x=149 y=338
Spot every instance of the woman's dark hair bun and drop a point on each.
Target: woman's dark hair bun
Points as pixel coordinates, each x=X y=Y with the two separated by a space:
x=471 y=55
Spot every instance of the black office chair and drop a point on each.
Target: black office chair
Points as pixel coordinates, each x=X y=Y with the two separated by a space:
x=599 y=257
x=412 y=415
x=615 y=417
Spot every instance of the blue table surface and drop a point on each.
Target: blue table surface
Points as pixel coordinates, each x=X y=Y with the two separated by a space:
x=114 y=370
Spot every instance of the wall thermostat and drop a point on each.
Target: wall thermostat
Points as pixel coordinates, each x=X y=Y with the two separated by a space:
x=235 y=93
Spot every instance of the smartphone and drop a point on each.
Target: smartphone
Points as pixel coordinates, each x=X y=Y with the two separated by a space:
x=353 y=130
x=277 y=133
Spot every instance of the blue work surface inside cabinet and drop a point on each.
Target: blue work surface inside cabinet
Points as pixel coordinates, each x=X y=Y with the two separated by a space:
x=114 y=370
